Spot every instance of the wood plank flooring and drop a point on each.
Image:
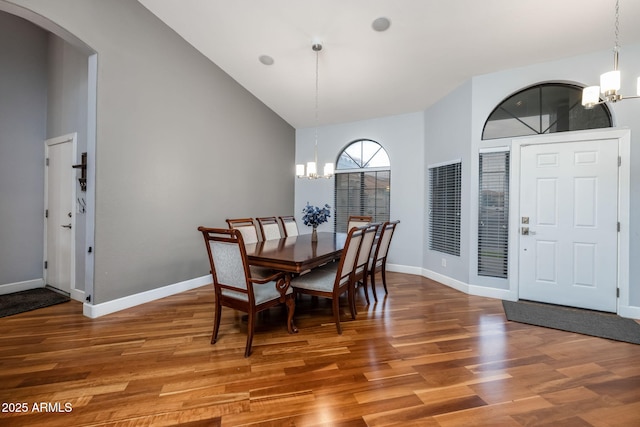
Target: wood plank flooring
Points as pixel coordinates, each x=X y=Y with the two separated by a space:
x=426 y=355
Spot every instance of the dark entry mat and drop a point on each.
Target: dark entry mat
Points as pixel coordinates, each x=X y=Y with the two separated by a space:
x=19 y=302
x=588 y=322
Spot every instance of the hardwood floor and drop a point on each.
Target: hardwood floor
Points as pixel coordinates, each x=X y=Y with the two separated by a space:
x=426 y=355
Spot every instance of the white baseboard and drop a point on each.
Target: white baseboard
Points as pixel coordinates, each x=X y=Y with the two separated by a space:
x=97 y=310
x=10 y=288
x=629 y=311
x=445 y=280
x=397 y=268
x=77 y=295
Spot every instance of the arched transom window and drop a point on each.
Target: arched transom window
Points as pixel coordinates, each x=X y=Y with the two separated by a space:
x=363 y=183
x=543 y=109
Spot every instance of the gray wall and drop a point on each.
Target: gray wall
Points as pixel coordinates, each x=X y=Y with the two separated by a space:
x=23 y=106
x=179 y=144
x=67 y=72
x=447 y=137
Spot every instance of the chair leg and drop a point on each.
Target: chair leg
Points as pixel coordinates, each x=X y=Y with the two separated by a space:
x=336 y=313
x=351 y=297
x=373 y=284
x=366 y=292
x=384 y=276
x=250 y=327
x=216 y=322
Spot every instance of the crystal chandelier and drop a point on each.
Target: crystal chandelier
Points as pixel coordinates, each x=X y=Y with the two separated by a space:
x=609 y=81
x=311 y=169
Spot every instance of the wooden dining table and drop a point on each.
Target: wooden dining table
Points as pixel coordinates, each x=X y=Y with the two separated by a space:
x=296 y=254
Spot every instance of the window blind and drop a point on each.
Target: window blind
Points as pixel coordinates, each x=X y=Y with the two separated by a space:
x=444 y=208
x=493 y=214
x=361 y=193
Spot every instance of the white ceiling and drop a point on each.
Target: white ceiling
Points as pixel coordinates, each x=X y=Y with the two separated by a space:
x=432 y=46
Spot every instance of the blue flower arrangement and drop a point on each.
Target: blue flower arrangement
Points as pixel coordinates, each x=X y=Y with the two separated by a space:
x=314 y=216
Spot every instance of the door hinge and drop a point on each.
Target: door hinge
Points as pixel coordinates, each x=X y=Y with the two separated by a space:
x=46 y=161
x=618 y=226
x=619 y=161
x=45 y=265
x=617 y=292
x=46 y=213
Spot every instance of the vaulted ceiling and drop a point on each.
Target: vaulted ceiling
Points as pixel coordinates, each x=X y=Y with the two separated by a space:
x=431 y=47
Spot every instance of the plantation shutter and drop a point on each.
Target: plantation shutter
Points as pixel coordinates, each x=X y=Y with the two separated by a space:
x=445 y=183
x=493 y=214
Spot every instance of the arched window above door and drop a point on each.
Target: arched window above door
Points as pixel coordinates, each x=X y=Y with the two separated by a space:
x=542 y=109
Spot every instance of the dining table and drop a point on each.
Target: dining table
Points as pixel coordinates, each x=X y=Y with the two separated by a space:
x=296 y=254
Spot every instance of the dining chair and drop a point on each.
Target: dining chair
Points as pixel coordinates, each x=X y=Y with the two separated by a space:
x=289 y=226
x=362 y=263
x=358 y=221
x=378 y=261
x=234 y=286
x=269 y=228
x=247 y=227
x=330 y=282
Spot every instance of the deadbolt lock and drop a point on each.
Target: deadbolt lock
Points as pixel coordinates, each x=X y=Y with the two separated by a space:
x=525 y=220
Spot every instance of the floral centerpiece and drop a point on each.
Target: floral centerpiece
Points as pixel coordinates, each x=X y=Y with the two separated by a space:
x=314 y=216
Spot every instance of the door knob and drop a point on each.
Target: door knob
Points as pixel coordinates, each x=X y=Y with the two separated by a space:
x=66 y=226
x=526 y=232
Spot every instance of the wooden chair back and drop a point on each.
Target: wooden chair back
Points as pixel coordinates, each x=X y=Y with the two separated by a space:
x=358 y=221
x=289 y=226
x=349 y=257
x=384 y=241
x=229 y=267
x=269 y=228
x=246 y=226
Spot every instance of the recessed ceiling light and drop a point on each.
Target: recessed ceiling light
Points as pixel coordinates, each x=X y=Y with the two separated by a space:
x=266 y=59
x=381 y=24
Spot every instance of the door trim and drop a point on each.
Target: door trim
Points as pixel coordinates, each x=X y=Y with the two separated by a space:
x=73 y=139
x=617 y=135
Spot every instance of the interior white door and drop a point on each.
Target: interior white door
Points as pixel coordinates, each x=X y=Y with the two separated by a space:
x=59 y=219
x=569 y=224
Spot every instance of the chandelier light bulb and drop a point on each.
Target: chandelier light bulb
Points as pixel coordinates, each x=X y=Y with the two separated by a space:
x=328 y=170
x=610 y=82
x=311 y=169
x=590 y=96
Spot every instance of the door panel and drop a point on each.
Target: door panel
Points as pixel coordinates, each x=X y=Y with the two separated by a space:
x=568 y=235
x=59 y=223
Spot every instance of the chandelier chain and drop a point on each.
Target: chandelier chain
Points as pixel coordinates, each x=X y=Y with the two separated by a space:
x=617 y=27
x=316 y=107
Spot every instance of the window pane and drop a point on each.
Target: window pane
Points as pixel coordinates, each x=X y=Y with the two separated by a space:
x=542 y=109
x=363 y=192
x=444 y=208
x=368 y=194
x=493 y=215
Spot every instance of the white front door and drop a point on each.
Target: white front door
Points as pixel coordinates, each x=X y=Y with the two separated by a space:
x=569 y=224
x=59 y=221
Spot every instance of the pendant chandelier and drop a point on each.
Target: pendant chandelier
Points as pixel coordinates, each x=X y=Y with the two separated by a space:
x=311 y=169
x=609 y=81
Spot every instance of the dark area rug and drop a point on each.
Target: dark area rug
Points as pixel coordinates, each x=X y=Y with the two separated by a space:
x=28 y=300
x=587 y=322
